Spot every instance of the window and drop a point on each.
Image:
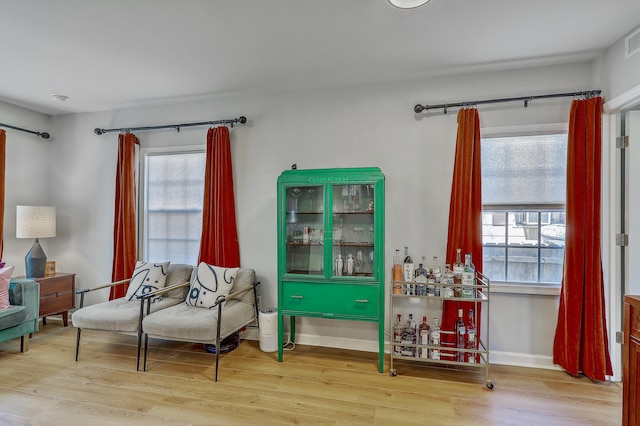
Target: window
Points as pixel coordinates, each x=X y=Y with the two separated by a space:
x=172 y=207
x=523 y=218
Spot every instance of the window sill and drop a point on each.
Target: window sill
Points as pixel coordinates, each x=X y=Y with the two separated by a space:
x=534 y=289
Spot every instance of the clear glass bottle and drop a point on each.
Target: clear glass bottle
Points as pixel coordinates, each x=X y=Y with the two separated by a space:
x=447 y=282
x=420 y=279
x=424 y=337
x=397 y=273
x=409 y=337
x=458 y=269
x=460 y=329
x=398 y=327
x=435 y=338
x=468 y=278
x=339 y=265
x=408 y=266
x=350 y=264
x=470 y=357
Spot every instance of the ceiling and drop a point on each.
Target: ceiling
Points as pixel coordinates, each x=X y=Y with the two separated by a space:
x=112 y=54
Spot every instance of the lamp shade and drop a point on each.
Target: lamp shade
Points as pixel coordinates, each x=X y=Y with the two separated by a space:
x=35 y=222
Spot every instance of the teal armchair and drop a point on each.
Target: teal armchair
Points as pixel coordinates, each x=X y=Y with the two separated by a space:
x=21 y=319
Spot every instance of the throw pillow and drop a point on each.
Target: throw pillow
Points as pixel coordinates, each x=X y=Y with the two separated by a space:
x=208 y=283
x=5 y=280
x=147 y=277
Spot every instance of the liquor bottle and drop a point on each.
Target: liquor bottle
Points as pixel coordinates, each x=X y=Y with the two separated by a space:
x=447 y=282
x=397 y=335
x=409 y=337
x=339 y=265
x=458 y=269
x=460 y=336
x=435 y=338
x=420 y=279
x=424 y=337
x=408 y=266
x=397 y=273
x=471 y=338
x=468 y=278
x=431 y=282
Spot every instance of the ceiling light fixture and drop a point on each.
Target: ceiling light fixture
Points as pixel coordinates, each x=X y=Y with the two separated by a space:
x=407 y=4
x=58 y=97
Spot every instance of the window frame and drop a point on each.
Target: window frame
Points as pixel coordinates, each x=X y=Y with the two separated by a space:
x=143 y=192
x=515 y=287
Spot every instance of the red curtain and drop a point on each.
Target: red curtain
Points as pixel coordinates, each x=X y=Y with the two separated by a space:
x=465 y=211
x=3 y=153
x=124 y=220
x=219 y=240
x=581 y=343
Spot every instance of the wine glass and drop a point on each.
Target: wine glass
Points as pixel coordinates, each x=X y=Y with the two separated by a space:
x=310 y=194
x=295 y=193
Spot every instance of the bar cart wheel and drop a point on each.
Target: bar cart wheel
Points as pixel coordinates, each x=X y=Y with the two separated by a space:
x=393 y=373
x=489 y=383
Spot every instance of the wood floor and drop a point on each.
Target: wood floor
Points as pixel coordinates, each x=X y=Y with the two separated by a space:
x=45 y=386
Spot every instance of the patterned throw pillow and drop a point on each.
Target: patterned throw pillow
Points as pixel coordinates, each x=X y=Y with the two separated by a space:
x=209 y=282
x=147 y=277
x=5 y=280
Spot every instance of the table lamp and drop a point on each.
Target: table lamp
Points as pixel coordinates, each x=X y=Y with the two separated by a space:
x=35 y=222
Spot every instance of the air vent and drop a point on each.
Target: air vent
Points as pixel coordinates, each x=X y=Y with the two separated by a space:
x=632 y=44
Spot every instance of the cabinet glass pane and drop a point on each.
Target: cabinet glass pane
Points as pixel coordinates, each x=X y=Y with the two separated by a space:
x=304 y=230
x=353 y=230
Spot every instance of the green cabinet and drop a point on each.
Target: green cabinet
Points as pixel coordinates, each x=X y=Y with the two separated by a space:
x=331 y=247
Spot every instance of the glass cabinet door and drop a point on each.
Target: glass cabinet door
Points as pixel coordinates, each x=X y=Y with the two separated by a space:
x=353 y=230
x=304 y=229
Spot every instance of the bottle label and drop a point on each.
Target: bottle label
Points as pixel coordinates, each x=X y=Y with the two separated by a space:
x=408 y=272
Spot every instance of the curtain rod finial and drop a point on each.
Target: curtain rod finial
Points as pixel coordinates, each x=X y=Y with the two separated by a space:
x=98 y=131
x=242 y=119
x=44 y=135
x=418 y=108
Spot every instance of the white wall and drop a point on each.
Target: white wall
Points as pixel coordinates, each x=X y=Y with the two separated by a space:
x=348 y=127
x=27 y=180
x=619 y=74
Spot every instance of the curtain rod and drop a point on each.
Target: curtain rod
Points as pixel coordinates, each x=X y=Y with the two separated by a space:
x=242 y=120
x=43 y=135
x=586 y=94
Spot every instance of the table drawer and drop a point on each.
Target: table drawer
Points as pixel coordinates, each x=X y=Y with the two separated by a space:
x=634 y=321
x=55 y=304
x=331 y=300
x=56 y=285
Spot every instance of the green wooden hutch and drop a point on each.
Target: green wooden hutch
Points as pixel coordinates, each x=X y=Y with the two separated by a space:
x=331 y=248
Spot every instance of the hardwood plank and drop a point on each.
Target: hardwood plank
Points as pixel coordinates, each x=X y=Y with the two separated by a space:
x=314 y=385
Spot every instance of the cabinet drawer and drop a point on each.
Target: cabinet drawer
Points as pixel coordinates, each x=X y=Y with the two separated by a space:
x=56 y=285
x=329 y=300
x=634 y=321
x=54 y=304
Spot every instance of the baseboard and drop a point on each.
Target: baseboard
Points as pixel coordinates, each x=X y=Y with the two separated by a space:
x=522 y=360
x=495 y=357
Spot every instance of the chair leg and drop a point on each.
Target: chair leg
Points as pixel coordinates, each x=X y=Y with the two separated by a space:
x=139 y=344
x=218 y=338
x=146 y=347
x=77 y=344
x=24 y=343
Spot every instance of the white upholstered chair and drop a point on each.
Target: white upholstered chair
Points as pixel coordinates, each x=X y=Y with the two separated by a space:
x=185 y=323
x=125 y=316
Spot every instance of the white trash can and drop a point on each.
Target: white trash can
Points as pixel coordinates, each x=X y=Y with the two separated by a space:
x=268 y=329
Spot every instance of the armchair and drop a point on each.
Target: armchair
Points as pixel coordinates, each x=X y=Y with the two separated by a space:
x=185 y=323
x=125 y=316
x=21 y=319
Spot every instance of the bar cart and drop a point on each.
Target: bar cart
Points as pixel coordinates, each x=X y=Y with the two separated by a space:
x=408 y=348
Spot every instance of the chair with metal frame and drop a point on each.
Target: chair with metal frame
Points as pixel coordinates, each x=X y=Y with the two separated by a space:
x=125 y=316
x=185 y=323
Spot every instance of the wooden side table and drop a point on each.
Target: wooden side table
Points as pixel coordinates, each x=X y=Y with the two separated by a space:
x=57 y=295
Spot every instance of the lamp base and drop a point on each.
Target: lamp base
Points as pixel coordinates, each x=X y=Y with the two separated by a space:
x=35 y=261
